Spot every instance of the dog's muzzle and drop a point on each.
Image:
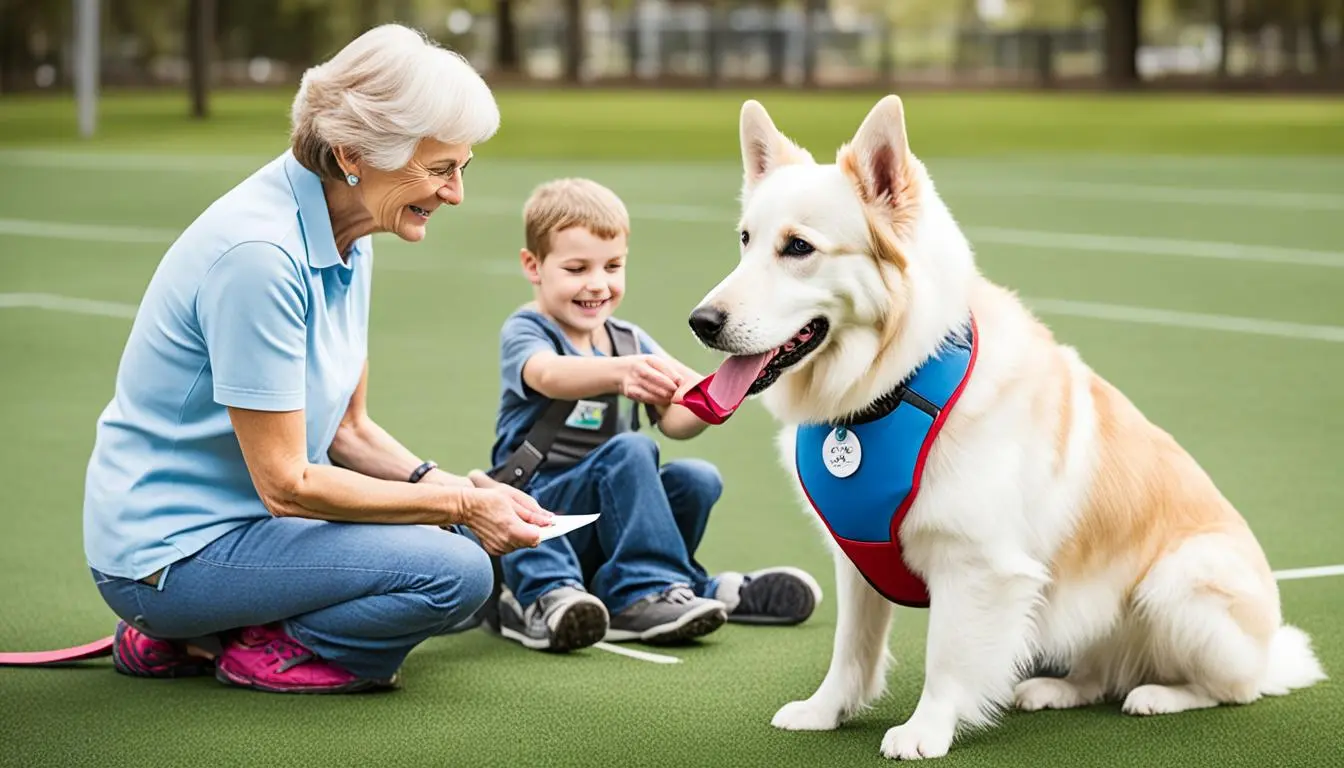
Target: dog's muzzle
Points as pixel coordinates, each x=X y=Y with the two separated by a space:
x=707 y=322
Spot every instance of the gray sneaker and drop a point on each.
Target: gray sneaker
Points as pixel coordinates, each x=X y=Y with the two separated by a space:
x=781 y=595
x=671 y=616
x=564 y=619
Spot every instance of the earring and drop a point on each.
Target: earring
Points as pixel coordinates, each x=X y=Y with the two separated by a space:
x=351 y=179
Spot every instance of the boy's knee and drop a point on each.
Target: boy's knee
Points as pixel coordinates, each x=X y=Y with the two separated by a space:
x=697 y=477
x=631 y=446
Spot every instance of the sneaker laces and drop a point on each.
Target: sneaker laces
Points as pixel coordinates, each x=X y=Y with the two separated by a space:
x=676 y=595
x=288 y=653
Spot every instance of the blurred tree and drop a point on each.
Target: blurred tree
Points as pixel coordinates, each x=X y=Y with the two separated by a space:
x=1122 y=42
x=506 y=43
x=200 y=36
x=574 y=39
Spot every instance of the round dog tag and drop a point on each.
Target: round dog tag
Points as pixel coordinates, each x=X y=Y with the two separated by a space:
x=841 y=452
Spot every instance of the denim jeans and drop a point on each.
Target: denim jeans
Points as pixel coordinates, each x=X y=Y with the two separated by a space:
x=652 y=520
x=358 y=595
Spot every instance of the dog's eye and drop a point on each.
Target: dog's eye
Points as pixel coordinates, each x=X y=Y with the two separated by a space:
x=746 y=238
x=798 y=247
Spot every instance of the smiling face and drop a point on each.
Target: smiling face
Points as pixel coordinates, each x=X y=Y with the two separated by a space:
x=581 y=280
x=402 y=201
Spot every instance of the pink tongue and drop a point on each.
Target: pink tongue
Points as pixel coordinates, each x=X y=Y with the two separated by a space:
x=735 y=376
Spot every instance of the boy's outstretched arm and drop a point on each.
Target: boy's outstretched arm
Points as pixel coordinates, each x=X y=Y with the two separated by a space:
x=643 y=378
x=679 y=423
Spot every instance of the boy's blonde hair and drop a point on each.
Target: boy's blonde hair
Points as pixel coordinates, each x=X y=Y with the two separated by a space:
x=572 y=202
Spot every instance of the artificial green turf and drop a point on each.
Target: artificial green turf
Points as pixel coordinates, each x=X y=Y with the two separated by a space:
x=1262 y=414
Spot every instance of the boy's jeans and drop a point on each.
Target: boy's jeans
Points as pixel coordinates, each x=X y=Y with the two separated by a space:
x=652 y=521
x=361 y=596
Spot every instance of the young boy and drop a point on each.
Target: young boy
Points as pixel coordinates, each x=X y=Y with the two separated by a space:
x=638 y=558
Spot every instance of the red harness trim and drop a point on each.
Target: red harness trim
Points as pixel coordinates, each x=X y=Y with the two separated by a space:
x=882 y=565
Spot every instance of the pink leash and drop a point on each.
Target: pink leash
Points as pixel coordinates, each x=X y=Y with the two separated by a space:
x=96 y=649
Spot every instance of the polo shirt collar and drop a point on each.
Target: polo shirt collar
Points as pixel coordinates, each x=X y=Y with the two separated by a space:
x=314 y=217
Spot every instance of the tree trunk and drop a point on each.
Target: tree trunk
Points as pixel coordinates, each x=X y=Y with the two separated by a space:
x=810 y=10
x=776 y=43
x=573 y=40
x=200 y=34
x=506 y=44
x=1122 y=43
x=1220 y=11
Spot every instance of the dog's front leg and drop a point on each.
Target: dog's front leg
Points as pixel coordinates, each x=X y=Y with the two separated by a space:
x=980 y=630
x=859 y=658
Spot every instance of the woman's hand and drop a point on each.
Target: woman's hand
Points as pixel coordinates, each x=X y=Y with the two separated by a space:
x=503 y=517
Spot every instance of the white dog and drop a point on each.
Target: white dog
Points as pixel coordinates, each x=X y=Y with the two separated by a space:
x=1048 y=520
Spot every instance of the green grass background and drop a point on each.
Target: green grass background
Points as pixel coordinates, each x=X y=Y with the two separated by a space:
x=1262 y=414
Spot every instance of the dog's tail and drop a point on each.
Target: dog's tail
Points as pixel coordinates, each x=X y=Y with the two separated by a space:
x=1292 y=663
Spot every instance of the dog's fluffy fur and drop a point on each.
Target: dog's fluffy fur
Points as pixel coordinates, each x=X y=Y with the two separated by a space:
x=1054 y=522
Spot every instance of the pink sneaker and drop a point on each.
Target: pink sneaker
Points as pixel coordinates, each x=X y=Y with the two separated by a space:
x=135 y=653
x=267 y=659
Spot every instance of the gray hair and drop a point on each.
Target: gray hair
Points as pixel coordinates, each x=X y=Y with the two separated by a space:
x=383 y=93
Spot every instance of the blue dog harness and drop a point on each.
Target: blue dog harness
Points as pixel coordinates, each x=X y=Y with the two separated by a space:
x=862 y=474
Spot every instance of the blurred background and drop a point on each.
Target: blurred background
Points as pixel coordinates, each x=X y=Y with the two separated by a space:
x=1258 y=44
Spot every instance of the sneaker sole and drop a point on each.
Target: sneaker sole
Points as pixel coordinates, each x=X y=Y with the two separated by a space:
x=689 y=626
x=789 y=599
x=580 y=626
x=359 y=686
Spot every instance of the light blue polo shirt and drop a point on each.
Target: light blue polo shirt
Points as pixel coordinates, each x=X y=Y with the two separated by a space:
x=251 y=307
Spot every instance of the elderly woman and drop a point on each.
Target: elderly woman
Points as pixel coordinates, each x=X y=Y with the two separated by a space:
x=243 y=514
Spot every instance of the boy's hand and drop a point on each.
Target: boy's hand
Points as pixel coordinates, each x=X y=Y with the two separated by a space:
x=651 y=379
x=686 y=386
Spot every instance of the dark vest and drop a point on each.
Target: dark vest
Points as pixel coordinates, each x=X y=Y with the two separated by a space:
x=568 y=430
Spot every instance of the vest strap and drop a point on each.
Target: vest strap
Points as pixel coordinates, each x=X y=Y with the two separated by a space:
x=524 y=462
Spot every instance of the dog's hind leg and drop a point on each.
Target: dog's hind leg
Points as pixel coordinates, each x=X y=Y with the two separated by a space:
x=1216 y=635
x=859 y=658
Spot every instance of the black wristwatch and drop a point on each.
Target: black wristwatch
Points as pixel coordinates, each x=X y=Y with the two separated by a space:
x=422 y=470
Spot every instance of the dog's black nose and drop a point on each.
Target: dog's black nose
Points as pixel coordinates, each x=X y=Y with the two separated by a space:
x=707 y=322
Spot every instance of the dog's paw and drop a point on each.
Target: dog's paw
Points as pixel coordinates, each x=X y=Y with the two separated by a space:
x=1047 y=693
x=1165 y=700
x=916 y=742
x=806 y=715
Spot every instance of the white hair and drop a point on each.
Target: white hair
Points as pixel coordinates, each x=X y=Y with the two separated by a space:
x=382 y=94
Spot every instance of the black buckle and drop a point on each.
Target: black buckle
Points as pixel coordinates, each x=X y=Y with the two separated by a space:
x=520 y=466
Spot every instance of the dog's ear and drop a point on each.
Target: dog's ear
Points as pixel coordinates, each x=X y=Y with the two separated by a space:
x=764 y=148
x=878 y=155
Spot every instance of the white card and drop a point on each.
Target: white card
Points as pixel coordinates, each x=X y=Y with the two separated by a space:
x=564 y=524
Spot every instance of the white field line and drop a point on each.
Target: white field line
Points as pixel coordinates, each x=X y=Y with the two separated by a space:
x=1060 y=241
x=1112 y=312
x=656 y=658
x=1174 y=319
x=962 y=178
x=95 y=233
x=66 y=304
x=1309 y=573
x=1150 y=193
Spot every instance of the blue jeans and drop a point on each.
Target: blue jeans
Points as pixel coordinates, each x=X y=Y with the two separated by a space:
x=358 y=595
x=653 y=518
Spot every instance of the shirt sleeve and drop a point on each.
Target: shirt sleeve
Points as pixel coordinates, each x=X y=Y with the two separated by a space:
x=252 y=308
x=520 y=339
x=647 y=345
